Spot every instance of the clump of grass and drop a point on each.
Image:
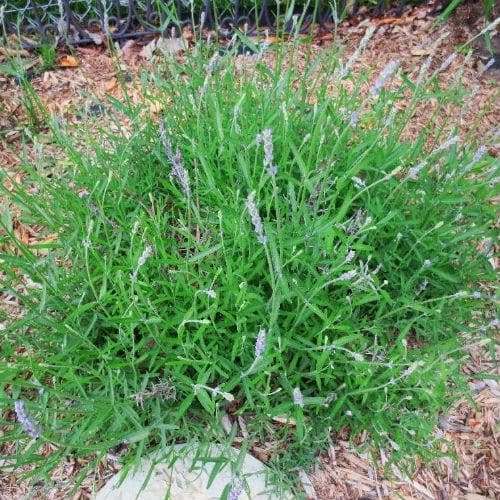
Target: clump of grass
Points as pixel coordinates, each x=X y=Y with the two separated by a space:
x=48 y=56
x=265 y=248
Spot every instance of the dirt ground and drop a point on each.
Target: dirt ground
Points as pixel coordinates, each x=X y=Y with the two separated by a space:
x=81 y=82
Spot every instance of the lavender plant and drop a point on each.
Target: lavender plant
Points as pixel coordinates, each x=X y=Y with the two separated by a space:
x=338 y=289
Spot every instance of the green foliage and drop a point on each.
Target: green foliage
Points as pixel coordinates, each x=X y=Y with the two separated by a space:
x=364 y=283
x=48 y=56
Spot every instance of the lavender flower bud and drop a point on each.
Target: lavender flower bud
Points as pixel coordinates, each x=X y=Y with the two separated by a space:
x=266 y=138
x=236 y=489
x=298 y=399
x=350 y=255
x=353 y=118
x=384 y=77
x=145 y=254
x=359 y=183
x=347 y=276
x=481 y=151
x=414 y=172
x=272 y=170
x=256 y=220
x=423 y=70
x=260 y=343
x=176 y=162
x=489 y=64
x=494 y=323
x=141 y=261
x=422 y=287
x=212 y=64
x=357 y=356
x=447 y=63
x=390 y=119
x=236 y=114
x=361 y=47
x=29 y=425
x=37 y=383
x=447 y=144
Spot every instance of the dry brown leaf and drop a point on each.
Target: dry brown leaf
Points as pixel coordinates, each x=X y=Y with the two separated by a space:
x=155 y=107
x=421 y=52
x=128 y=51
x=393 y=21
x=284 y=420
x=12 y=135
x=111 y=84
x=187 y=33
x=170 y=46
x=148 y=50
x=21 y=234
x=68 y=62
x=261 y=453
x=95 y=37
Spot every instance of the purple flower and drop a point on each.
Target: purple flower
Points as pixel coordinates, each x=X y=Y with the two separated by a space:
x=266 y=138
x=425 y=67
x=489 y=64
x=447 y=144
x=176 y=162
x=348 y=275
x=29 y=425
x=272 y=170
x=148 y=250
x=353 y=118
x=481 y=151
x=236 y=489
x=384 y=77
x=414 y=172
x=359 y=183
x=350 y=255
x=256 y=220
x=447 y=62
x=298 y=399
x=260 y=343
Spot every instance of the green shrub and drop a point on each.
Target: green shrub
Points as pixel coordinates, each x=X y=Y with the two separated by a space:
x=271 y=246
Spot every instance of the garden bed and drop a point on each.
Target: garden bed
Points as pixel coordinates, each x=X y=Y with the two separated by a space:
x=78 y=93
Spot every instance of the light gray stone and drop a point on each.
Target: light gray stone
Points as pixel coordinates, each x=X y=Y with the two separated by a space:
x=187 y=481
